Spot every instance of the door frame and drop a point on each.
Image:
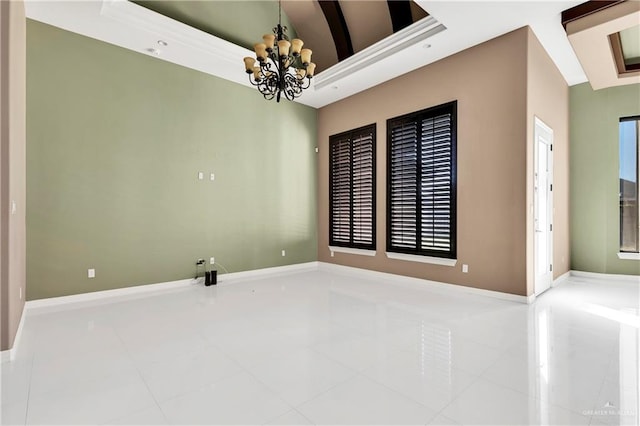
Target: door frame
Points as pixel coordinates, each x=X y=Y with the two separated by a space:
x=543 y=282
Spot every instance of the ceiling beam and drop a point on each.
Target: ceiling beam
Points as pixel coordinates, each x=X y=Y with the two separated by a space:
x=338 y=26
x=584 y=9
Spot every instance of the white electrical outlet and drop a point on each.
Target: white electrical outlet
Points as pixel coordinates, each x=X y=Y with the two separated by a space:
x=91 y=273
x=465 y=268
x=212 y=176
x=284 y=253
x=200 y=175
x=212 y=261
x=316 y=149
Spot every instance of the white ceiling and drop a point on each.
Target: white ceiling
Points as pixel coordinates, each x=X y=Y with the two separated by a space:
x=458 y=25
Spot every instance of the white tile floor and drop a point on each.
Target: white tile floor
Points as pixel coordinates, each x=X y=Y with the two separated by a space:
x=323 y=348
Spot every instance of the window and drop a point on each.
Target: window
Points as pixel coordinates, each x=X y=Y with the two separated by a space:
x=352 y=188
x=421 y=173
x=629 y=159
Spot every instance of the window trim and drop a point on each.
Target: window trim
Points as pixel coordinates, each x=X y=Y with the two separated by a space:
x=628 y=255
x=351 y=245
x=631 y=255
x=448 y=107
x=351 y=250
x=443 y=261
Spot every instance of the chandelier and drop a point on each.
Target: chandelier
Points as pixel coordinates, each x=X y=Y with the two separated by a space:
x=283 y=66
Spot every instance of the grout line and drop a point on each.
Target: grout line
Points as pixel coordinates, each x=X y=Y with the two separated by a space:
x=26 y=411
x=139 y=375
x=275 y=393
x=295 y=407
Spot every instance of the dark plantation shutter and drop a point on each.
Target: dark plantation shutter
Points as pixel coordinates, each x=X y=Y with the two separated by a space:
x=436 y=183
x=403 y=193
x=421 y=173
x=362 y=148
x=352 y=188
x=340 y=191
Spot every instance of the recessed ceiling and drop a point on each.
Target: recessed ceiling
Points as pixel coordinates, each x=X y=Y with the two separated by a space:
x=597 y=40
x=334 y=30
x=451 y=27
x=630 y=43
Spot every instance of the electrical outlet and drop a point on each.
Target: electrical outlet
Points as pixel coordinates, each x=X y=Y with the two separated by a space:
x=200 y=175
x=284 y=253
x=465 y=268
x=212 y=176
x=212 y=261
x=332 y=254
x=91 y=273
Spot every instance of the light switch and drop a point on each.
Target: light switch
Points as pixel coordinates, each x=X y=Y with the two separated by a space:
x=200 y=175
x=212 y=176
x=14 y=207
x=91 y=273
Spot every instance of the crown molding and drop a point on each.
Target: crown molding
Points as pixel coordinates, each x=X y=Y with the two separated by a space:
x=136 y=16
x=408 y=37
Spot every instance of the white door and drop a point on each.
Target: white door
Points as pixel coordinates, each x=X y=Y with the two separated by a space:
x=543 y=206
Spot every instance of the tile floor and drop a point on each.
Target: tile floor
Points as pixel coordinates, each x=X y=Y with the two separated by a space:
x=325 y=348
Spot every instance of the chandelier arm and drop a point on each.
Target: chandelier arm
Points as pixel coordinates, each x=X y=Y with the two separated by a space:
x=268 y=89
x=291 y=87
x=273 y=83
x=252 y=81
x=271 y=77
x=268 y=96
x=266 y=84
x=305 y=83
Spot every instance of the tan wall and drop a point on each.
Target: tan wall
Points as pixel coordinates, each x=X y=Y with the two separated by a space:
x=12 y=172
x=548 y=99
x=489 y=83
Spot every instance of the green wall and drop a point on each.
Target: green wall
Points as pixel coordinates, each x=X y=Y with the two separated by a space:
x=115 y=140
x=594 y=176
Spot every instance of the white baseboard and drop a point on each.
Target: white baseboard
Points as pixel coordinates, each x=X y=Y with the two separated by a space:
x=420 y=283
x=276 y=270
x=10 y=354
x=98 y=297
x=562 y=278
x=86 y=299
x=609 y=277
